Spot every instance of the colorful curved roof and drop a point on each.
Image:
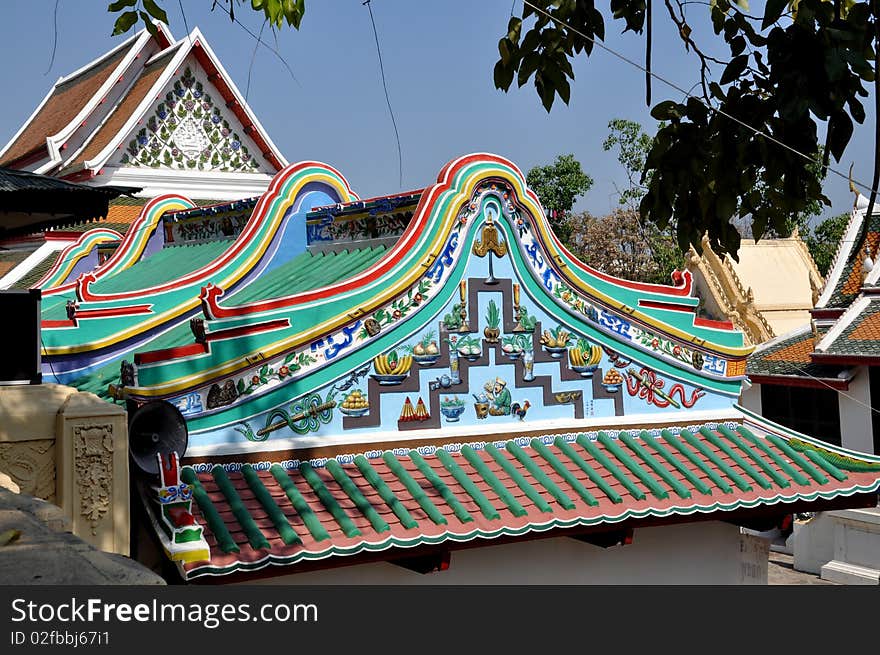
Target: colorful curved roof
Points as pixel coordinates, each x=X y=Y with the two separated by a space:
x=278 y=515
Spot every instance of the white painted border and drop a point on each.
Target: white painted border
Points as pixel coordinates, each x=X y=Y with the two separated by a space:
x=856 y=308
x=27 y=265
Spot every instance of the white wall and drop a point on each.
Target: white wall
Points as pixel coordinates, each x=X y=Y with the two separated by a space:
x=692 y=553
x=855 y=413
x=751 y=398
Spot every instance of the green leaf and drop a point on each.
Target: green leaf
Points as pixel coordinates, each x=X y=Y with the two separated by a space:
x=119 y=5
x=155 y=11
x=772 y=12
x=667 y=111
x=734 y=69
x=124 y=22
x=151 y=27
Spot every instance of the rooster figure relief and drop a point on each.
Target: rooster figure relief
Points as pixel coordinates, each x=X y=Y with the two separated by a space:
x=520 y=410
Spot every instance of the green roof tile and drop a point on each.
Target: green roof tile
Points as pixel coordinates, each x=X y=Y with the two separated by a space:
x=256 y=538
x=467 y=484
x=497 y=486
x=350 y=488
x=610 y=466
x=415 y=490
x=649 y=459
x=445 y=492
x=700 y=486
x=566 y=475
x=597 y=479
x=311 y=521
x=285 y=531
x=519 y=479
x=632 y=465
x=328 y=501
x=710 y=473
x=384 y=491
x=542 y=478
x=736 y=457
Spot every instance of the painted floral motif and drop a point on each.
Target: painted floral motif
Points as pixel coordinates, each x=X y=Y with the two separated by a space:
x=400 y=307
x=187 y=131
x=210 y=227
x=291 y=364
x=357 y=229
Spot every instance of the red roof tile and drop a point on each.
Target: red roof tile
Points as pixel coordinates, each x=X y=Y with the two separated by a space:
x=66 y=101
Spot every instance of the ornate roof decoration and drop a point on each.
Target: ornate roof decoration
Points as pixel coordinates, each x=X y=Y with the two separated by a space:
x=290 y=512
x=188 y=131
x=152 y=103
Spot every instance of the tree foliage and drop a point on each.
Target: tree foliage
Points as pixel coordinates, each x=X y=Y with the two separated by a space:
x=824 y=240
x=744 y=147
x=275 y=12
x=718 y=157
x=558 y=185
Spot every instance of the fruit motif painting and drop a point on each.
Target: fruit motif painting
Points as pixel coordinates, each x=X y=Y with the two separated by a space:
x=556 y=341
x=612 y=381
x=584 y=358
x=355 y=404
x=391 y=368
x=425 y=352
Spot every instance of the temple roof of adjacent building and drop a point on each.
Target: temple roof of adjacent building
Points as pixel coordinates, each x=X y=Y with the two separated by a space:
x=90 y=115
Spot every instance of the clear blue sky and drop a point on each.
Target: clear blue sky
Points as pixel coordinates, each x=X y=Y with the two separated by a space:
x=438 y=60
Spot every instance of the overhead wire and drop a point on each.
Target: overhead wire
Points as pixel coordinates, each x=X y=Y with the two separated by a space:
x=687 y=94
x=387 y=98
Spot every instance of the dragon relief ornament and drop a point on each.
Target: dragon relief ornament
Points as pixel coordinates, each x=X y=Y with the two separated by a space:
x=187 y=131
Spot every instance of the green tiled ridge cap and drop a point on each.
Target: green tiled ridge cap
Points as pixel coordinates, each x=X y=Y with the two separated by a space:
x=674 y=457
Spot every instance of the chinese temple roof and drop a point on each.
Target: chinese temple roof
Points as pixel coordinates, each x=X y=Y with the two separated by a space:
x=855 y=335
x=790 y=355
x=272 y=515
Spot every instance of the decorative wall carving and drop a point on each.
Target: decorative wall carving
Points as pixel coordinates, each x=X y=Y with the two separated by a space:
x=31 y=465
x=93 y=463
x=188 y=131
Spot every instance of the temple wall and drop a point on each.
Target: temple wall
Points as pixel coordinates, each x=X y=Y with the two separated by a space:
x=71 y=449
x=709 y=552
x=855 y=414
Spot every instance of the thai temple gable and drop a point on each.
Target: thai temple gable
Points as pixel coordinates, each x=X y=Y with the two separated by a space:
x=151 y=106
x=79 y=103
x=769 y=291
x=153 y=113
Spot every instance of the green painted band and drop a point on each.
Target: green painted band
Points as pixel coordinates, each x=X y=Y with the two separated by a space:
x=540 y=476
x=649 y=459
x=533 y=494
x=287 y=533
x=359 y=500
x=299 y=503
x=485 y=472
x=349 y=529
x=760 y=461
x=828 y=466
x=716 y=479
x=445 y=492
x=384 y=491
x=797 y=458
x=461 y=477
x=597 y=479
x=796 y=475
x=699 y=485
x=256 y=539
x=633 y=466
x=567 y=475
x=584 y=442
x=414 y=488
x=212 y=516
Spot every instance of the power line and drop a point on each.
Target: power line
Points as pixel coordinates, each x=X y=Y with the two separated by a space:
x=687 y=94
x=54 y=38
x=387 y=99
x=247 y=88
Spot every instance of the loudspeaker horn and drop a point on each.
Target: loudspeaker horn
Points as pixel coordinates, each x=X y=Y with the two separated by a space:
x=156 y=427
